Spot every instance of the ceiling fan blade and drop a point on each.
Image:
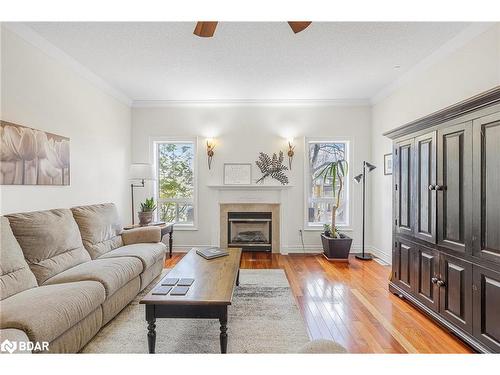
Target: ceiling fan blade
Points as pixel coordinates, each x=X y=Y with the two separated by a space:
x=298 y=26
x=205 y=29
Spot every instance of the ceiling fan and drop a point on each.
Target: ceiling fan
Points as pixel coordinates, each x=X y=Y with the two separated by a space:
x=207 y=29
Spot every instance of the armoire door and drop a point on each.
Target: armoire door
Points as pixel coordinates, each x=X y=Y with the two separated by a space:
x=455 y=291
x=425 y=183
x=403 y=155
x=403 y=270
x=454 y=187
x=427 y=276
x=486 y=327
x=486 y=190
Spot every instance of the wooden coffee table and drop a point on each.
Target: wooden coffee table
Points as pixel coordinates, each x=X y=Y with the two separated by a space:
x=208 y=297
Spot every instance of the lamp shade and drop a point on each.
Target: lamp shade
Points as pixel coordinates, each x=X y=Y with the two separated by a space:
x=370 y=166
x=142 y=171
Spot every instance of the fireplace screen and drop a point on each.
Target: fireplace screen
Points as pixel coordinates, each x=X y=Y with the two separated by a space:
x=250 y=230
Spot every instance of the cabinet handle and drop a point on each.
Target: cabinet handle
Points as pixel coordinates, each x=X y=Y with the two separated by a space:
x=440 y=283
x=434 y=280
x=432 y=187
x=439 y=187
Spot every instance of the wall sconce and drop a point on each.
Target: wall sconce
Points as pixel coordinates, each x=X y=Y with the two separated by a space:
x=290 y=152
x=210 y=151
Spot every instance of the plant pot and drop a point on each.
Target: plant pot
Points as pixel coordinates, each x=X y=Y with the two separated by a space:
x=145 y=217
x=336 y=248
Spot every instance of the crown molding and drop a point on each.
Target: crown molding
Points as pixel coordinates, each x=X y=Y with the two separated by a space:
x=32 y=37
x=236 y=102
x=445 y=50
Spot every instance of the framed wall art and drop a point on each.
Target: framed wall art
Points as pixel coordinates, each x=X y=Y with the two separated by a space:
x=388 y=164
x=237 y=174
x=33 y=157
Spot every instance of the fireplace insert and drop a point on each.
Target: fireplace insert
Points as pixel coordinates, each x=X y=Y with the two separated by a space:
x=251 y=231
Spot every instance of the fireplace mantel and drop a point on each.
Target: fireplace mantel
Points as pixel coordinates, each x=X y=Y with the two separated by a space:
x=249 y=187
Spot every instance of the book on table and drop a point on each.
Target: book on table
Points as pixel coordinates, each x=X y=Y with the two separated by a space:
x=211 y=252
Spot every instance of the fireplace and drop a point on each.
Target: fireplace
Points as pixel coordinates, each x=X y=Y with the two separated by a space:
x=251 y=231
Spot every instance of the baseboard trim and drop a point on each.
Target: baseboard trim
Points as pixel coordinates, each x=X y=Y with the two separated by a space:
x=385 y=256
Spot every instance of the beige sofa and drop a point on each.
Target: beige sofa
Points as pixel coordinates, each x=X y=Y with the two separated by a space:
x=66 y=273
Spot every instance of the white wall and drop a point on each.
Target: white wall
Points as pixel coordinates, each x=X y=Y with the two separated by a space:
x=42 y=93
x=468 y=71
x=242 y=131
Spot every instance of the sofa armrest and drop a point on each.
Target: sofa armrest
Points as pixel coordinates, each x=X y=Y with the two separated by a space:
x=141 y=235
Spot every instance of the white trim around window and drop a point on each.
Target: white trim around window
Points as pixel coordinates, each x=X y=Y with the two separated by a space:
x=307 y=187
x=153 y=142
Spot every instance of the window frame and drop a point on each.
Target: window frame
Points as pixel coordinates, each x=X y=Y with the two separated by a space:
x=307 y=187
x=154 y=142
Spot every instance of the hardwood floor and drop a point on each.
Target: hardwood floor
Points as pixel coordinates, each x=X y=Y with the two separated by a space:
x=351 y=304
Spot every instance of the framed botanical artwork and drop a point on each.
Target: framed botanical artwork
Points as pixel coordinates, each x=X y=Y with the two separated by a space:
x=237 y=174
x=33 y=157
x=388 y=164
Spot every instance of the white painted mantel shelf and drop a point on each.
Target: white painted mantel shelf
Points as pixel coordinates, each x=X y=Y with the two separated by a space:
x=251 y=187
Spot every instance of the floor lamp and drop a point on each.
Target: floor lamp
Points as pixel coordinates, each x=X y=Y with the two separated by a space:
x=142 y=172
x=358 y=178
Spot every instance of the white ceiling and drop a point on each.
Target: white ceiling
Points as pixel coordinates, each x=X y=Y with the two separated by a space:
x=248 y=60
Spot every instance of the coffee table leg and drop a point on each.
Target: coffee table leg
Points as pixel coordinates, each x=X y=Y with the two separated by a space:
x=238 y=279
x=223 y=333
x=151 y=335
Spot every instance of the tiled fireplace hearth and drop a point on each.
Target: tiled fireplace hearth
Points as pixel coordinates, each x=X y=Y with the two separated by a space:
x=252 y=226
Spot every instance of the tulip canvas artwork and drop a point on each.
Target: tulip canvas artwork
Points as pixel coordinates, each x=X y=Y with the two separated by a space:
x=32 y=157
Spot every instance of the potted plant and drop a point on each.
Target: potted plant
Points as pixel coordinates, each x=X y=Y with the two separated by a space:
x=336 y=245
x=146 y=213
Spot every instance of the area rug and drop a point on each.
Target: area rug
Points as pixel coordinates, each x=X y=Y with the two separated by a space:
x=262 y=319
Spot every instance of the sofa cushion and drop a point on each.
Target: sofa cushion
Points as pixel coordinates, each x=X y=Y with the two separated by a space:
x=50 y=241
x=112 y=273
x=46 y=312
x=15 y=275
x=147 y=253
x=100 y=228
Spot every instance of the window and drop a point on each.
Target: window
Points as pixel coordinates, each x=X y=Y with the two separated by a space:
x=319 y=198
x=176 y=185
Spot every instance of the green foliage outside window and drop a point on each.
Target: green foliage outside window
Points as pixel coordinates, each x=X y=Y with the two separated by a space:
x=176 y=182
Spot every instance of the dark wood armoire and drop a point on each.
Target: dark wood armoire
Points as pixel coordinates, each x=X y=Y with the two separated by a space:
x=446 y=218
